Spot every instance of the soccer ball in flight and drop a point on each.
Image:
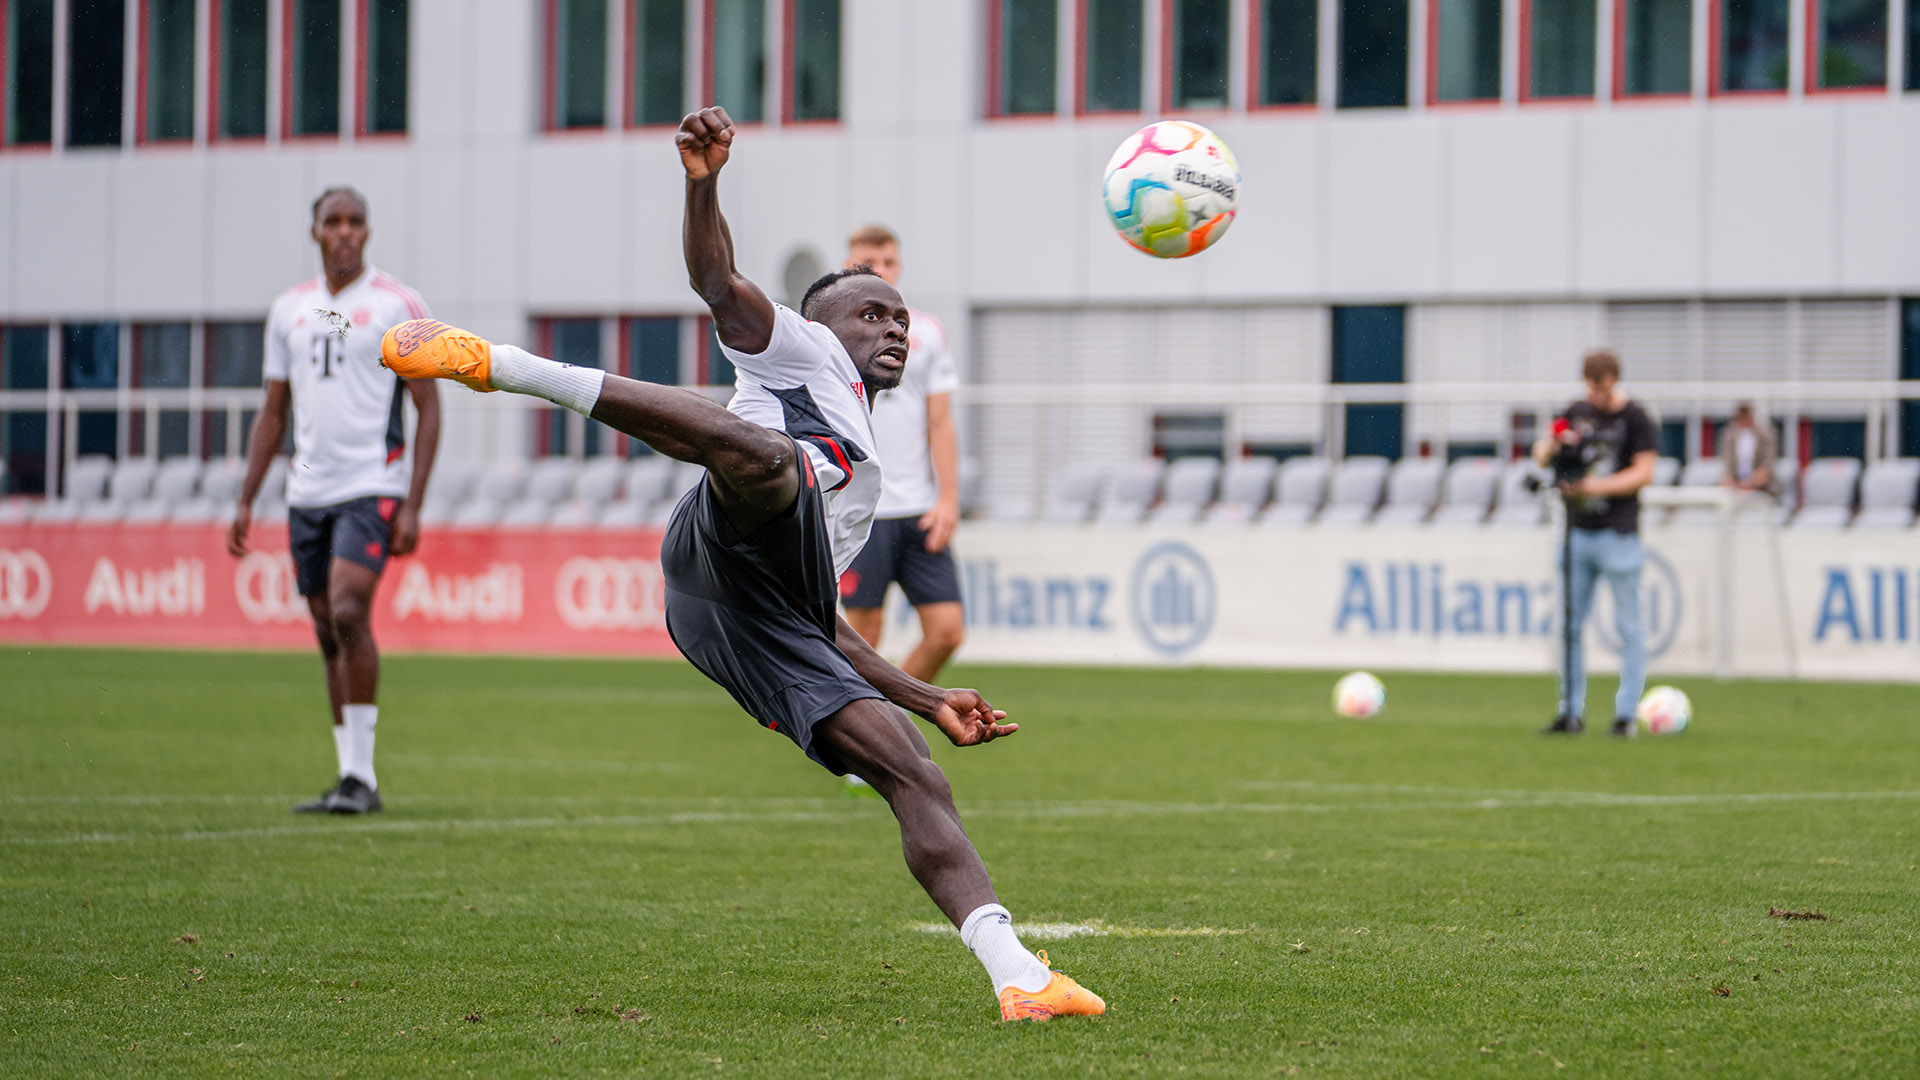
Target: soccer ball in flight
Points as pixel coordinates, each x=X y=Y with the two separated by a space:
x=1359 y=695
x=1664 y=711
x=1172 y=189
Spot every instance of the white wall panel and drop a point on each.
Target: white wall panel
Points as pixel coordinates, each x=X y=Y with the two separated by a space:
x=1510 y=199
x=64 y=220
x=13 y=252
x=579 y=226
x=1273 y=250
x=1030 y=223
x=1384 y=205
x=1640 y=175
x=159 y=213
x=442 y=262
x=259 y=213
x=1879 y=229
x=1770 y=209
x=383 y=173
x=502 y=73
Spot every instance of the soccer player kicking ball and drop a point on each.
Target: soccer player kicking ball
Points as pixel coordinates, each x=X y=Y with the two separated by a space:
x=752 y=556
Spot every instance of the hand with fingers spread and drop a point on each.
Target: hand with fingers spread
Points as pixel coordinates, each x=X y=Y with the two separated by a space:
x=705 y=139
x=966 y=719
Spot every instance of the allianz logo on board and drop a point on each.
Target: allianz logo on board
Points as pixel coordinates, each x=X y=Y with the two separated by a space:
x=1878 y=604
x=1171 y=601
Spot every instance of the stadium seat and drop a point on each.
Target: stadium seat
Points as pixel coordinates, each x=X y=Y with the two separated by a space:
x=1467 y=492
x=685 y=475
x=500 y=484
x=526 y=513
x=221 y=479
x=87 y=480
x=274 y=487
x=1129 y=492
x=174 y=484
x=1299 y=487
x=1826 y=493
x=104 y=512
x=1245 y=486
x=648 y=481
x=971 y=479
x=1073 y=500
x=1701 y=473
x=1887 y=492
x=1354 y=490
x=1516 y=505
x=453 y=482
x=1189 y=488
x=55 y=512
x=1665 y=471
x=479 y=512
x=1413 y=486
x=600 y=480
x=132 y=480
x=621 y=514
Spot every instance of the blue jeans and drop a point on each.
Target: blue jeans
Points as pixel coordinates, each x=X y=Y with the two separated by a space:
x=1618 y=557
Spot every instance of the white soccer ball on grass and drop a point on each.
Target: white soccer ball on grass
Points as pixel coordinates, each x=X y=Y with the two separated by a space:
x=1664 y=711
x=1359 y=695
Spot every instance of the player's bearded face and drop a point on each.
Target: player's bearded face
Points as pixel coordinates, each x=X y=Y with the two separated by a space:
x=870 y=319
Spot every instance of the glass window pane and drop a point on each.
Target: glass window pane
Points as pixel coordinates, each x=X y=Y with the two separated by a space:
x=580 y=83
x=316 y=67
x=1373 y=53
x=653 y=350
x=234 y=353
x=1913 y=58
x=1753 y=45
x=90 y=356
x=243 y=69
x=1468 y=52
x=23 y=435
x=739 y=57
x=1200 y=54
x=169 y=60
x=719 y=367
x=1111 y=82
x=659 y=51
x=1369 y=344
x=576 y=342
x=816 y=59
x=1853 y=43
x=386 y=89
x=1659 y=47
x=1029 y=32
x=1375 y=429
x=96 y=52
x=1288 y=52
x=29 y=69
x=1562 y=50
x=162 y=356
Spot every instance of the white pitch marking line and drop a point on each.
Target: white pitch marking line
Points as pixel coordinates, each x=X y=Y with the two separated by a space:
x=1058 y=931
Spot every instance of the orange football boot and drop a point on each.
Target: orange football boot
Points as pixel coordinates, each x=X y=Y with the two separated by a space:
x=1062 y=997
x=430 y=349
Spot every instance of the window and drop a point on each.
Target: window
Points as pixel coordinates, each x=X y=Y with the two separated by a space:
x=235 y=351
x=1846 y=44
x=1913 y=45
x=311 y=83
x=1910 y=366
x=813 y=60
x=1110 y=55
x=1837 y=438
x=23 y=435
x=1023 y=37
x=162 y=359
x=383 y=66
x=237 y=105
x=1750 y=46
x=577 y=32
x=1372 y=54
x=96 y=56
x=656 y=48
x=1653 y=46
x=1370 y=346
x=90 y=360
x=1464 y=49
x=712 y=366
x=166 y=79
x=1198 y=75
x=737 y=58
x=1179 y=435
x=653 y=350
x=1557 y=39
x=560 y=432
x=26 y=71
x=1287 y=63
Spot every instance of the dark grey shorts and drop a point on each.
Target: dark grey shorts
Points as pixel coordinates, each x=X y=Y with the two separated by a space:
x=897 y=551
x=756 y=614
x=357 y=530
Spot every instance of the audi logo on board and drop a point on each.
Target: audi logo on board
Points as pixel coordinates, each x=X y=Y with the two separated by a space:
x=26 y=584
x=264 y=586
x=610 y=594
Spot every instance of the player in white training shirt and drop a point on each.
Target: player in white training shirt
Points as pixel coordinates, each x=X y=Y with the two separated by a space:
x=751 y=556
x=353 y=491
x=920 y=501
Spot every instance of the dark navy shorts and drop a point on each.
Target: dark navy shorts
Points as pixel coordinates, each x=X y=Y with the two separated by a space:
x=357 y=530
x=897 y=551
x=756 y=614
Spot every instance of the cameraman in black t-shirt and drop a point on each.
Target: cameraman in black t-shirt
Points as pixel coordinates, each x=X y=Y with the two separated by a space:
x=1602 y=453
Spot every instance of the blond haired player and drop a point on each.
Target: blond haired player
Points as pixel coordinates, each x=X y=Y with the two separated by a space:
x=752 y=557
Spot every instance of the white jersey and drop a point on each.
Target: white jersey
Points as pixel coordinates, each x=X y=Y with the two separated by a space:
x=349 y=421
x=805 y=384
x=900 y=421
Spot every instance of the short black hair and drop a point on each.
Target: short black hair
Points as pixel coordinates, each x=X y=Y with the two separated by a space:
x=827 y=281
x=341 y=189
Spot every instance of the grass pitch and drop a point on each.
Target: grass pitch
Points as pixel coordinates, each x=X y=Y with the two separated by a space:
x=599 y=868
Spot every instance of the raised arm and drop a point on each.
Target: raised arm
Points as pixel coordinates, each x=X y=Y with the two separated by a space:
x=742 y=314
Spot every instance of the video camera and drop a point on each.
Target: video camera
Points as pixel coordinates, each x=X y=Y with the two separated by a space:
x=1573 y=458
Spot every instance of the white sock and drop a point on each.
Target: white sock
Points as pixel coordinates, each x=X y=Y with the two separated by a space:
x=518 y=371
x=988 y=932
x=343 y=746
x=359 y=727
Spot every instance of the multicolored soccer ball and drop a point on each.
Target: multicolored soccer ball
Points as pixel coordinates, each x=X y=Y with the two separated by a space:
x=1359 y=695
x=1664 y=711
x=1172 y=189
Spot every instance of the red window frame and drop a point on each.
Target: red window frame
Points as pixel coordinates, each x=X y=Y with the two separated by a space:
x=1080 y=65
x=1619 y=90
x=6 y=102
x=707 y=16
x=1257 y=61
x=1810 y=68
x=702 y=348
x=361 y=60
x=1433 y=63
x=1716 y=12
x=1523 y=59
x=1166 y=63
x=789 y=33
x=286 y=86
